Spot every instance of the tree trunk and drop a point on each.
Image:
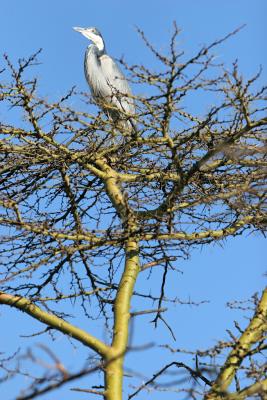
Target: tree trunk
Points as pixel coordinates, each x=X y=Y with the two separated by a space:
x=114 y=361
x=114 y=378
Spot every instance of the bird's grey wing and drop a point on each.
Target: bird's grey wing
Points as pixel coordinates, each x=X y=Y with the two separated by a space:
x=118 y=85
x=94 y=74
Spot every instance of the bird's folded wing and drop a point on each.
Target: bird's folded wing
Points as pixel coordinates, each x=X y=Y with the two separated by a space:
x=118 y=84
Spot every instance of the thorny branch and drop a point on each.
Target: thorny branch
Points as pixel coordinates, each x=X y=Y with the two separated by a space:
x=76 y=190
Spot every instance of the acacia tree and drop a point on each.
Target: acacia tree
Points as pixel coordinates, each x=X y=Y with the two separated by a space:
x=87 y=206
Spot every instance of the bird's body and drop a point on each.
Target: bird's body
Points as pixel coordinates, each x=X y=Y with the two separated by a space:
x=107 y=83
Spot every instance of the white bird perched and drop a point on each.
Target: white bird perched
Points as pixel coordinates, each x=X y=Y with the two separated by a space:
x=107 y=83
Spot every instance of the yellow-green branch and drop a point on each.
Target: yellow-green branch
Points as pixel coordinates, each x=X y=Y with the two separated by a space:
x=55 y=322
x=211 y=233
x=252 y=334
x=258 y=388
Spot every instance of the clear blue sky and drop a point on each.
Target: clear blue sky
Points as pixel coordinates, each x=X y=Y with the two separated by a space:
x=215 y=274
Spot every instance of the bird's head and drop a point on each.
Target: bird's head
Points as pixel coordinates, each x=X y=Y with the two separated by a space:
x=92 y=34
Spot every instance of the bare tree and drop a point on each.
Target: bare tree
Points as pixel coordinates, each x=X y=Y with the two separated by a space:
x=86 y=208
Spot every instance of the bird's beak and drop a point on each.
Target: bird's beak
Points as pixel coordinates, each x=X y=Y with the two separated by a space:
x=77 y=29
x=85 y=32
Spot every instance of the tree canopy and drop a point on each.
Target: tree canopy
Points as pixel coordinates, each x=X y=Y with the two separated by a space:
x=86 y=206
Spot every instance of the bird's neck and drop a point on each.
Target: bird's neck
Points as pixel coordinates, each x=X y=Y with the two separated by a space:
x=94 y=52
x=99 y=42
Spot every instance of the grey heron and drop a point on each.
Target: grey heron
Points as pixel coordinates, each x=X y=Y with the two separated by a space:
x=107 y=83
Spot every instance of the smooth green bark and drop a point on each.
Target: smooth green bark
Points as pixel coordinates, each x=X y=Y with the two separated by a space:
x=55 y=322
x=114 y=368
x=252 y=334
